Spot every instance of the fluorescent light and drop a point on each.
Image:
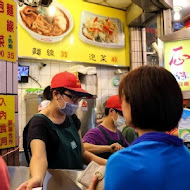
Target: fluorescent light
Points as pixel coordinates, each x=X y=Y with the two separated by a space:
x=177 y=10
x=177 y=16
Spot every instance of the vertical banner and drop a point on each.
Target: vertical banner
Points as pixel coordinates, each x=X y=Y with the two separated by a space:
x=7 y=121
x=8 y=30
x=177 y=61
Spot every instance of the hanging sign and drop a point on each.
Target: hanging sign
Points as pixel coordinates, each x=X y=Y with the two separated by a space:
x=7 y=121
x=177 y=61
x=70 y=31
x=8 y=30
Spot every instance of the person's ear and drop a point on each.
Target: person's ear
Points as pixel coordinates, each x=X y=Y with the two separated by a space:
x=56 y=95
x=111 y=111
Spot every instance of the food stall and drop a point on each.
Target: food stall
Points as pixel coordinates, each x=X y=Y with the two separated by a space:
x=85 y=33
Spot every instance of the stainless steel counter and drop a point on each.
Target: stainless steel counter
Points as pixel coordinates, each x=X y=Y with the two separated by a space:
x=54 y=179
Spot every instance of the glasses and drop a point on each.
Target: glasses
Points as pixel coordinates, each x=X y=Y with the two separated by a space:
x=75 y=99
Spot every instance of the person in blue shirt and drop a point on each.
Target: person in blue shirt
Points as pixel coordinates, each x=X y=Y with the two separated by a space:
x=152 y=103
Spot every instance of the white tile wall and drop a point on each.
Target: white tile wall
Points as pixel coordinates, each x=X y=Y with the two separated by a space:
x=3 y=77
x=9 y=77
x=136 y=47
x=63 y=66
x=54 y=68
x=102 y=82
x=104 y=92
x=15 y=75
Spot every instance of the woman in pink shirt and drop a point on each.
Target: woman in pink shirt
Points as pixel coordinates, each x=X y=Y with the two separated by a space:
x=4 y=176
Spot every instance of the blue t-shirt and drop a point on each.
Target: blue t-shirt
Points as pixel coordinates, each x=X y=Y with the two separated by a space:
x=149 y=165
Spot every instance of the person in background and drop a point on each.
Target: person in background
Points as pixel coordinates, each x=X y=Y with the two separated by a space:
x=43 y=104
x=106 y=139
x=173 y=132
x=46 y=102
x=53 y=135
x=129 y=133
x=4 y=176
x=152 y=103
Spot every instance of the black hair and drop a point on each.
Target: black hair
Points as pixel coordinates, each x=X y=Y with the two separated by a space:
x=154 y=96
x=47 y=94
x=117 y=111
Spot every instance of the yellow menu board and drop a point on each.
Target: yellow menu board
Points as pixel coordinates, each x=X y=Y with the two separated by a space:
x=177 y=61
x=7 y=121
x=74 y=30
x=8 y=30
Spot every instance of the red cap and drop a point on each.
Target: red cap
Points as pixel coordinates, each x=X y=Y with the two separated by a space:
x=114 y=102
x=68 y=81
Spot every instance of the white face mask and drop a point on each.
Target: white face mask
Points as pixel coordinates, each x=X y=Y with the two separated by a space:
x=119 y=122
x=69 y=108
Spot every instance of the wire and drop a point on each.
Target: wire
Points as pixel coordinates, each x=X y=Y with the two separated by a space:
x=35 y=80
x=10 y=152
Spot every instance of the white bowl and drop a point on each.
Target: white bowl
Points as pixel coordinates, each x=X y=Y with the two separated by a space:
x=48 y=39
x=87 y=14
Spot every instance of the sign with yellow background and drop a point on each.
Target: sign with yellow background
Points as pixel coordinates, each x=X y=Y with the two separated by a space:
x=7 y=121
x=74 y=30
x=177 y=61
x=8 y=15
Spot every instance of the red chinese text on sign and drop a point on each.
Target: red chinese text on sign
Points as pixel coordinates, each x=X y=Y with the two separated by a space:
x=3 y=128
x=1 y=7
x=2 y=41
x=10 y=26
x=176 y=60
x=10 y=10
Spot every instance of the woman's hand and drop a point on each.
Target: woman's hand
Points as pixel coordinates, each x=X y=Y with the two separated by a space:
x=31 y=183
x=38 y=165
x=93 y=184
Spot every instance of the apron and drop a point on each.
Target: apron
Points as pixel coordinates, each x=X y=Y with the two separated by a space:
x=69 y=153
x=106 y=155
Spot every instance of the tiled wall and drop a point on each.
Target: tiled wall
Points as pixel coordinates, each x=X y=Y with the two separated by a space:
x=9 y=86
x=136 y=48
x=104 y=84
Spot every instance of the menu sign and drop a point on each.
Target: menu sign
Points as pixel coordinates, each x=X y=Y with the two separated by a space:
x=8 y=30
x=7 y=121
x=177 y=61
x=70 y=31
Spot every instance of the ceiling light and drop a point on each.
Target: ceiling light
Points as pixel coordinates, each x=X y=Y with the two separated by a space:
x=177 y=10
